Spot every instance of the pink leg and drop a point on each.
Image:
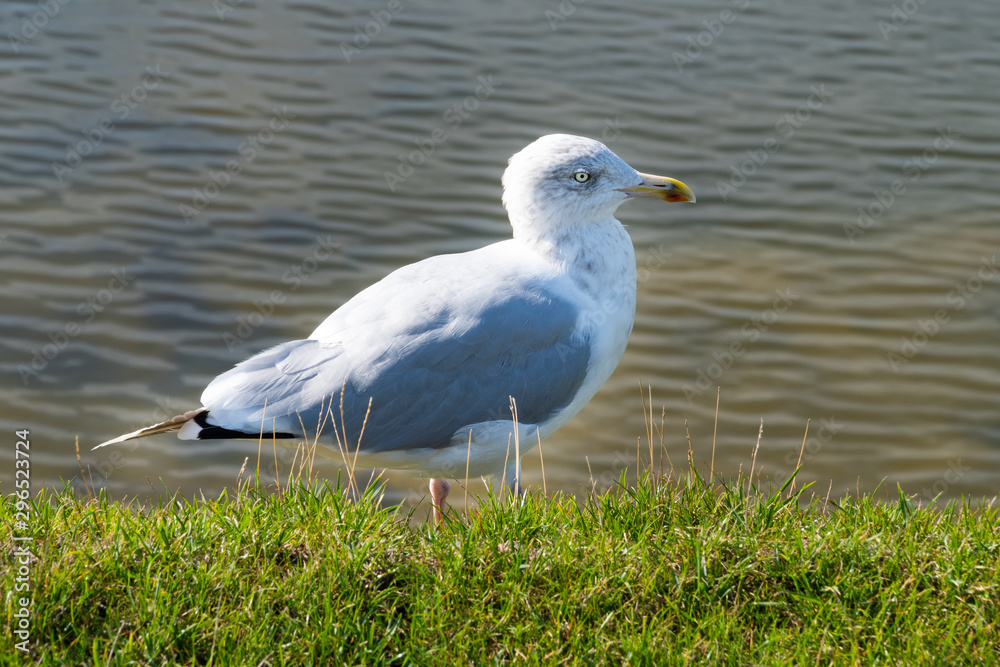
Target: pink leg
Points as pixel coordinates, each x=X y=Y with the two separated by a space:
x=439 y=491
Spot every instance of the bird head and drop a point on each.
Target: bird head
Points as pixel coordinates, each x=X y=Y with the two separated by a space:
x=561 y=181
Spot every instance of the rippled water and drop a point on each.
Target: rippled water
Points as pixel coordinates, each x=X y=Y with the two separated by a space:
x=171 y=170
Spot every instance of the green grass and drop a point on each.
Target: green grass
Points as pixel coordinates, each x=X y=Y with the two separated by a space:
x=669 y=571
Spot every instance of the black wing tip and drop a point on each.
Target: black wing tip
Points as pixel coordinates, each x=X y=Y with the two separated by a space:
x=213 y=432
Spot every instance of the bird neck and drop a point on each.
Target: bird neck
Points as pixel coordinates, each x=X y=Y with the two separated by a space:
x=598 y=257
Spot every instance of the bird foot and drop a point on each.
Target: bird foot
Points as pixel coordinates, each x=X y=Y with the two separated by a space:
x=439 y=491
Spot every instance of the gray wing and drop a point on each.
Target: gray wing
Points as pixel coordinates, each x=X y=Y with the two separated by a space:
x=432 y=355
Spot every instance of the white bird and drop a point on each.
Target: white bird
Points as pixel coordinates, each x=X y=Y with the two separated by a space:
x=430 y=360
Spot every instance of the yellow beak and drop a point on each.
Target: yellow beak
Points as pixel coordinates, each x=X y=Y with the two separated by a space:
x=660 y=187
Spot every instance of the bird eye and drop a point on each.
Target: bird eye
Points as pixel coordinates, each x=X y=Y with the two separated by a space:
x=581 y=176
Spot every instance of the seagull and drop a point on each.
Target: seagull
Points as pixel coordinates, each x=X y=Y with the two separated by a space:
x=440 y=366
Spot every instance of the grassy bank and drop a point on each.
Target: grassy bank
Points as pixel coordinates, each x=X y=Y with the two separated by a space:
x=667 y=572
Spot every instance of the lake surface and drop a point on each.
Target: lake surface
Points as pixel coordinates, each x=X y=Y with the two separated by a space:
x=186 y=184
